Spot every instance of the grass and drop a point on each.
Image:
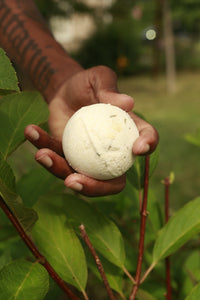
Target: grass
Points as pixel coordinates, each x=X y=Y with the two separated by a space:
x=173 y=115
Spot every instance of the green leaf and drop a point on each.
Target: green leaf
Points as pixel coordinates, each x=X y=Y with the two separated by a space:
x=191 y=272
x=103 y=233
x=57 y=241
x=16 y=112
x=5 y=258
x=26 y=216
x=8 y=78
x=181 y=228
x=195 y=293
x=135 y=174
x=144 y=295
x=34 y=185
x=22 y=280
x=6 y=174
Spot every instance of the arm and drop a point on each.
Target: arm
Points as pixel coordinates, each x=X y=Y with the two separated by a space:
x=66 y=87
x=30 y=44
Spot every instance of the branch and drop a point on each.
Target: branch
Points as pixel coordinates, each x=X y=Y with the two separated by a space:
x=29 y=243
x=167 y=183
x=97 y=261
x=144 y=214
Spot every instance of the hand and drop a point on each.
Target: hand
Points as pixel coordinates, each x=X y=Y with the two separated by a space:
x=86 y=87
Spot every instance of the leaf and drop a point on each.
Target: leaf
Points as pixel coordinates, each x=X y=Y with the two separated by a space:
x=8 y=78
x=16 y=112
x=26 y=216
x=155 y=217
x=135 y=174
x=6 y=174
x=144 y=295
x=34 y=185
x=57 y=241
x=181 y=228
x=195 y=293
x=5 y=258
x=191 y=268
x=22 y=280
x=103 y=233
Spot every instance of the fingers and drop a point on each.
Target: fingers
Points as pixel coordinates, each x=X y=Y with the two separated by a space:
x=148 y=139
x=42 y=139
x=94 y=188
x=87 y=186
x=54 y=163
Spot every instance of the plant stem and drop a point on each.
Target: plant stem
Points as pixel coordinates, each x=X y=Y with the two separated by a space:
x=29 y=243
x=144 y=214
x=128 y=275
x=148 y=271
x=167 y=259
x=97 y=261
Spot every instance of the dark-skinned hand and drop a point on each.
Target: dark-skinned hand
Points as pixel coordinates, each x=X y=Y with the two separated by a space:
x=95 y=85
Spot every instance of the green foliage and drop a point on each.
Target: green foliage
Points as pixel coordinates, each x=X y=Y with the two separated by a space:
x=59 y=244
x=16 y=112
x=181 y=228
x=53 y=215
x=22 y=280
x=26 y=185
x=8 y=78
x=103 y=233
x=26 y=216
x=195 y=293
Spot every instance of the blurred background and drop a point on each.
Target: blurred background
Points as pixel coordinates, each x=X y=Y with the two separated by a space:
x=154 y=47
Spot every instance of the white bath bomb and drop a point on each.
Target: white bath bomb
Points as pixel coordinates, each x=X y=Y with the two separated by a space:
x=98 y=141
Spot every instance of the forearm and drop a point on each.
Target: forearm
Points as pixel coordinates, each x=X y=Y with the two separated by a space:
x=30 y=44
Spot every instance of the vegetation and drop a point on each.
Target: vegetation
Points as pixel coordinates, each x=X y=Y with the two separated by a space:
x=148 y=233
x=49 y=217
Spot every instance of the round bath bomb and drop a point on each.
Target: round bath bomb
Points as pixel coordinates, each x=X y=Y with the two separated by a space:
x=98 y=141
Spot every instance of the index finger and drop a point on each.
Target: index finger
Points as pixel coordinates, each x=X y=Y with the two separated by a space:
x=41 y=139
x=148 y=136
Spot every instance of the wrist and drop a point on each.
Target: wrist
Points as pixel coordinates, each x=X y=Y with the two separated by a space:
x=64 y=68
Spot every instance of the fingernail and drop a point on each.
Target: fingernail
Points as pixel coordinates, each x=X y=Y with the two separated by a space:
x=126 y=96
x=146 y=148
x=75 y=186
x=46 y=161
x=33 y=134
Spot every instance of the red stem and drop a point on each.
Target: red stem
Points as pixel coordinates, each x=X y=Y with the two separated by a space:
x=97 y=261
x=167 y=260
x=144 y=214
x=42 y=260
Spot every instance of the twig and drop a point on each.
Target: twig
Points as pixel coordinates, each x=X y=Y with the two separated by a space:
x=128 y=274
x=144 y=214
x=41 y=259
x=168 y=296
x=97 y=261
x=148 y=271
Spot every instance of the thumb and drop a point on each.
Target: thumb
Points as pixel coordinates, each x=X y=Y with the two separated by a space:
x=104 y=81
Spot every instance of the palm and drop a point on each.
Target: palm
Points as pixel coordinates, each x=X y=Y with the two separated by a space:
x=87 y=87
